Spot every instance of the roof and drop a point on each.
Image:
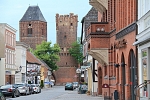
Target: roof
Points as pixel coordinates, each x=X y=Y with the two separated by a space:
x=33 y=13
x=32 y=59
x=46 y=65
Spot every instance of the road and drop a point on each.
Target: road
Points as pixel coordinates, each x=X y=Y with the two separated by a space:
x=57 y=93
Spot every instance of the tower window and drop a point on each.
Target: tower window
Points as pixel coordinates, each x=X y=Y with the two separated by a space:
x=65 y=36
x=42 y=31
x=71 y=24
x=29 y=29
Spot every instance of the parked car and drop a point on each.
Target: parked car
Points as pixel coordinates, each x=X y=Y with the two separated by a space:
x=23 y=88
x=69 y=86
x=2 y=97
x=75 y=85
x=31 y=91
x=36 y=88
x=10 y=90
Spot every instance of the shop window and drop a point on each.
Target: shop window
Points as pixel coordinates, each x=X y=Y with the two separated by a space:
x=144 y=68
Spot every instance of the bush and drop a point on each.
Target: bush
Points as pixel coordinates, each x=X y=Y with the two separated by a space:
x=42 y=84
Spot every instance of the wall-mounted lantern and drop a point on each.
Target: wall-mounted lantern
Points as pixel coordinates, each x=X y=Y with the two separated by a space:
x=20 y=68
x=116 y=65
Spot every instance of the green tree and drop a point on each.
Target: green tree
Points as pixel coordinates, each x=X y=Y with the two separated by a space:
x=48 y=53
x=76 y=51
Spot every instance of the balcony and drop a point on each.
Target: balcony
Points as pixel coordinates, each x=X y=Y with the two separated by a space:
x=98 y=41
x=100 y=5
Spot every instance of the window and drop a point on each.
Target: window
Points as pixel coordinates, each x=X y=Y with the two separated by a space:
x=105 y=70
x=71 y=24
x=42 y=31
x=65 y=37
x=29 y=29
x=144 y=67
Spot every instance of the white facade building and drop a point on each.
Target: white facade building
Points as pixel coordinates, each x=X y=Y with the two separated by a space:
x=7 y=53
x=21 y=48
x=143 y=44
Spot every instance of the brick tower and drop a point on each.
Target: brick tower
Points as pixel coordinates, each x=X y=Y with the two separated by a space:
x=66 y=33
x=33 y=27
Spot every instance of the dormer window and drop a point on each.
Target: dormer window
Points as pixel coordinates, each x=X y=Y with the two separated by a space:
x=102 y=29
x=98 y=29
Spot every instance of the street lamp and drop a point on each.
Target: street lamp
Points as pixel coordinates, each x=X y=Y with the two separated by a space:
x=20 y=68
x=78 y=71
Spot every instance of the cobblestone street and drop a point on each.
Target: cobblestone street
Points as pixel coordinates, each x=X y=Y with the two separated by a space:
x=57 y=93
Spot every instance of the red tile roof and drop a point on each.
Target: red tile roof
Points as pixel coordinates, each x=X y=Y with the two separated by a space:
x=32 y=58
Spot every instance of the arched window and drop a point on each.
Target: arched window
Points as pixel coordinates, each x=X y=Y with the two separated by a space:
x=29 y=29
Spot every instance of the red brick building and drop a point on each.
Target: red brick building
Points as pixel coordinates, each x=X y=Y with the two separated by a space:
x=66 y=33
x=33 y=27
x=110 y=42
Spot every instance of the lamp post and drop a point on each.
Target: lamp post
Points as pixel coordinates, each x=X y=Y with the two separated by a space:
x=78 y=71
x=20 y=68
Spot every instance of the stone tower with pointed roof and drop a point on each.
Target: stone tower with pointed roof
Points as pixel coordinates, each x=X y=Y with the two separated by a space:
x=33 y=27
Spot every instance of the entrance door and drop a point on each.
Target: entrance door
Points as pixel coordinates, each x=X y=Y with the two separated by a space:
x=133 y=73
x=123 y=76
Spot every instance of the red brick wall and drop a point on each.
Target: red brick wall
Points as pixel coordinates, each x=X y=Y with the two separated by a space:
x=120 y=15
x=66 y=27
x=65 y=74
x=39 y=33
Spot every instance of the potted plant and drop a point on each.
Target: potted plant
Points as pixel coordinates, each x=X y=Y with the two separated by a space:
x=42 y=84
x=88 y=92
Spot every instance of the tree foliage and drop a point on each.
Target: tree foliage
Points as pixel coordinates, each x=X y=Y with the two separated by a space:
x=76 y=51
x=48 y=53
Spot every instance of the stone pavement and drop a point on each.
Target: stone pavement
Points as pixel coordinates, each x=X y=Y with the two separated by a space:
x=73 y=95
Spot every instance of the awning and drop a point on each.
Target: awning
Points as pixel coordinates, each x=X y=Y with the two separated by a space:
x=101 y=55
x=141 y=41
x=100 y=5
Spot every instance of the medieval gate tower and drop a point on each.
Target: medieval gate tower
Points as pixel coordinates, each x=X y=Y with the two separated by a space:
x=33 y=27
x=66 y=34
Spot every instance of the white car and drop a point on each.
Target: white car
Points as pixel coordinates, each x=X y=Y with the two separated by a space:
x=36 y=88
x=23 y=88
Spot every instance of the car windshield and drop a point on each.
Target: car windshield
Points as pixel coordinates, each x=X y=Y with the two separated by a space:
x=68 y=84
x=20 y=85
x=5 y=86
x=33 y=85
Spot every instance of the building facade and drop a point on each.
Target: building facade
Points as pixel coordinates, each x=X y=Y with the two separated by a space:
x=91 y=16
x=66 y=33
x=7 y=61
x=111 y=46
x=33 y=67
x=143 y=44
x=21 y=48
x=33 y=27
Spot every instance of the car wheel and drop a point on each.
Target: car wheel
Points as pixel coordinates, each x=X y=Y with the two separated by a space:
x=18 y=94
x=25 y=93
x=14 y=95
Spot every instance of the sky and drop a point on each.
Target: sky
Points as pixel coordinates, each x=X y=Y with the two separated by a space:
x=11 y=11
